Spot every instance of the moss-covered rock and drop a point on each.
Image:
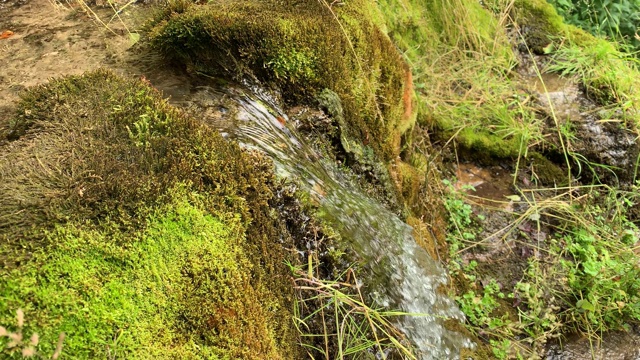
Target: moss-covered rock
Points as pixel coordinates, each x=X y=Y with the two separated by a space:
x=542 y=24
x=546 y=172
x=137 y=230
x=301 y=48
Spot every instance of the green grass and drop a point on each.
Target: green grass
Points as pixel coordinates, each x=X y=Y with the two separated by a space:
x=461 y=60
x=610 y=77
x=351 y=327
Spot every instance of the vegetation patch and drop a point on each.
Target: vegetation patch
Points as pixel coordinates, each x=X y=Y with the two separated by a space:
x=127 y=224
x=617 y=21
x=608 y=75
x=181 y=288
x=300 y=48
x=579 y=266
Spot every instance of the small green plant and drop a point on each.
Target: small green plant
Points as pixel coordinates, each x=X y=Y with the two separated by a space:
x=501 y=348
x=589 y=279
x=460 y=227
x=479 y=307
x=617 y=20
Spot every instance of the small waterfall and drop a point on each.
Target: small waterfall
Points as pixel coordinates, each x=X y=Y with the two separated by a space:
x=400 y=274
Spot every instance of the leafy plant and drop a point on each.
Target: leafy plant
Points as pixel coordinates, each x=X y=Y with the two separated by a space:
x=479 y=307
x=617 y=19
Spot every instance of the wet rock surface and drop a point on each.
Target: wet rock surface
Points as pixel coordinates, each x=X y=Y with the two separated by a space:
x=604 y=148
x=615 y=346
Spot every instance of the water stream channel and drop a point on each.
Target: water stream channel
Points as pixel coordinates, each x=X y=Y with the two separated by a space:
x=400 y=275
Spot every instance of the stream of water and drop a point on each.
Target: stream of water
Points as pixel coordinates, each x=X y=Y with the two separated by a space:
x=400 y=274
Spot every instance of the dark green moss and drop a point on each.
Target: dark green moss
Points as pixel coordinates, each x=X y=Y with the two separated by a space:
x=546 y=172
x=94 y=162
x=485 y=147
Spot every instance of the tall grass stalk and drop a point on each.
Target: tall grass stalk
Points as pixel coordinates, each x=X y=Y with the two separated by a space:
x=351 y=328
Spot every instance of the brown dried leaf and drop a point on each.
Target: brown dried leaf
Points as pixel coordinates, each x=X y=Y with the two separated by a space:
x=6 y=34
x=3 y=331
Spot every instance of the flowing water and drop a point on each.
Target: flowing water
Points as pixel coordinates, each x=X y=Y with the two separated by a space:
x=400 y=275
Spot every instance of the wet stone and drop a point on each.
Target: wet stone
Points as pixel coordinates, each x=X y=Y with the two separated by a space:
x=607 y=149
x=615 y=346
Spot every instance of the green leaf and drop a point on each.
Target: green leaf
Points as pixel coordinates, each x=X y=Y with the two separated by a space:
x=591 y=267
x=585 y=305
x=548 y=49
x=515 y=198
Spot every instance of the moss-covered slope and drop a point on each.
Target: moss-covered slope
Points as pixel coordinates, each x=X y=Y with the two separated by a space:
x=136 y=230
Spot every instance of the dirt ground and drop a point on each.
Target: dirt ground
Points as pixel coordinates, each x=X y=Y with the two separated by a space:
x=53 y=40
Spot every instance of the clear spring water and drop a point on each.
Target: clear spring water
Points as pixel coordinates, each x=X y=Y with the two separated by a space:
x=400 y=274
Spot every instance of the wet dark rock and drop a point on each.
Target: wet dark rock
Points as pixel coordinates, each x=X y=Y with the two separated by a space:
x=610 y=147
x=615 y=346
x=600 y=146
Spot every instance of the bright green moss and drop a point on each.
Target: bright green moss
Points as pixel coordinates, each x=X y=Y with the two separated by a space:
x=180 y=289
x=124 y=223
x=486 y=146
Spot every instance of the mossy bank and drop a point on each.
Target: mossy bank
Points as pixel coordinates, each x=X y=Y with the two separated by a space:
x=138 y=231
x=305 y=50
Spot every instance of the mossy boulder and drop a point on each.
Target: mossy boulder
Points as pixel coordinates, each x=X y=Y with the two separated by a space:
x=137 y=230
x=301 y=48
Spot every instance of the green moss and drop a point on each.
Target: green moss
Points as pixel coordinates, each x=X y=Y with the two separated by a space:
x=546 y=172
x=93 y=241
x=181 y=289
x=485 y=146
x=301 y=48
x=543 y=24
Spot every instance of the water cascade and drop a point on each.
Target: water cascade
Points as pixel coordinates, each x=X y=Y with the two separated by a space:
x=400 y=274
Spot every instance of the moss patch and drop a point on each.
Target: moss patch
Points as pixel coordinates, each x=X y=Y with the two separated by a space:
x=94 y=242
x=181 y=289
x=300 y=48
